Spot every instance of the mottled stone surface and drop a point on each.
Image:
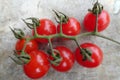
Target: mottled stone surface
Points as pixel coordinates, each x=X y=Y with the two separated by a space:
x=11 y=13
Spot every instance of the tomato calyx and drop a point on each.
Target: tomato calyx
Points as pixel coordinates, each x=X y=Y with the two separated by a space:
x=55 y=57
x=18 y=33
x=60 y=15
x=86 y=53
x=35 y=22
x=97 y=8
x=21 y=59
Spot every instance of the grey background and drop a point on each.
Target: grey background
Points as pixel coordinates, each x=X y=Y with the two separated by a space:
x=11 y=13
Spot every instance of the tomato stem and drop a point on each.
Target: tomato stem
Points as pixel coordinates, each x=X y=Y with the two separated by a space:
x=84 y=34
x=51 y=47
x=65 y=36
x=35 y=31
x=97 y=8
x=61 y=25
x=102 y=36
x=57 y=59
x=96 y=23
x=26 y=41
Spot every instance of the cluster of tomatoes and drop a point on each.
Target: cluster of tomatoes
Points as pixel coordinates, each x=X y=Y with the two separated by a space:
x=36 y=63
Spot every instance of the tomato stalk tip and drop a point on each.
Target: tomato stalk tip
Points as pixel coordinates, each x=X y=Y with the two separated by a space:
x=60 y=15
x=97 y=8
x=18 y=33
x=35 y=22
x=20 y=59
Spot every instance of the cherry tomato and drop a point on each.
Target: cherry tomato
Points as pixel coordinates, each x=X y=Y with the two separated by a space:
x=31 y=45
x=67 y=59
x=46 y=28
x=38 y=65
x=90 y=20
x=97 y=55
x=71 y=28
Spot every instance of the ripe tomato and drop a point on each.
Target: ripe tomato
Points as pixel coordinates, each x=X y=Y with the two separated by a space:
x=97 y=55
x=90 y=20
x=71 y=28
x=46 y=28
x=67 y=59
x=32 y=45
x=38 y=65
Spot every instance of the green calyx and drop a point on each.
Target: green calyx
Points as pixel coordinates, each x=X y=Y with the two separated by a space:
x=56 y=57
x=55 y=62
x=35 y=22
x=97 y=8
x=22 y=59
x=18 y=33
x=86 y=53
x=59 y=15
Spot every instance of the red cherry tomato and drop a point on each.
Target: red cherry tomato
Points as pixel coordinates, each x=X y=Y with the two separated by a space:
x=46 y=28
x=38 y=65
x=31 y=45
x=97 y=55
x=71 y=28
x=90 y=19
x=67 y=59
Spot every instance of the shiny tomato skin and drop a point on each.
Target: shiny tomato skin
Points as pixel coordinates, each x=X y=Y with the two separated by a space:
x=67 y=59
x=71 y=28
x=97 y=55
x=38 y=65
x=31 y=45
x=46 y=28
x=90 y=20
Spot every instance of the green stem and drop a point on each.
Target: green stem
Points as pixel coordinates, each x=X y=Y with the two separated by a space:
x=61 y=19
x=102 y=36
x=35 y=31
x=85 y=34
x=51 y=47
x=96 y=23
x=66 y=36
x=26 y=41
